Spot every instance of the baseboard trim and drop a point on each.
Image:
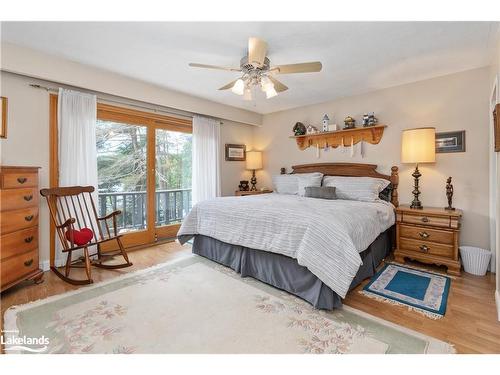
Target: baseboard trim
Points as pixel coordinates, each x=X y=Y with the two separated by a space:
x=44 y=265
x=497 y=300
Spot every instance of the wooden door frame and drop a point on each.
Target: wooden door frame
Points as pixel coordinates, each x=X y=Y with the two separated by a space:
x=151 y=121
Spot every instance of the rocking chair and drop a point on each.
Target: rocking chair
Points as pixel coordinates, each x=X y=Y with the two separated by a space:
x=72 y=209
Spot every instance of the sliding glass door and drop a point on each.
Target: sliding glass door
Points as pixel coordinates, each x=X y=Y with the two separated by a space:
x=144 y=170
x=172 y=180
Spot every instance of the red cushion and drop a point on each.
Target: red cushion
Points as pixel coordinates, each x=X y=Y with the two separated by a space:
x=80 y=237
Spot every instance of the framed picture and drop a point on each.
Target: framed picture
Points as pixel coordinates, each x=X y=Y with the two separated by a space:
x=3 y=117
x=450 y=142
x=235 y=152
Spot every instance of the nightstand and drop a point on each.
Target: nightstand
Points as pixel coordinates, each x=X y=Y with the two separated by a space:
x=255 y=192
x=429 y=235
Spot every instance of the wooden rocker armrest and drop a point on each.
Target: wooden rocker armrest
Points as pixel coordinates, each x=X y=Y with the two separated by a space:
x=67 y=223
x=109 y=216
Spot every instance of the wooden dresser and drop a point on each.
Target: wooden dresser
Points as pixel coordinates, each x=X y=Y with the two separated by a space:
x=18 y=226
x=429 y=235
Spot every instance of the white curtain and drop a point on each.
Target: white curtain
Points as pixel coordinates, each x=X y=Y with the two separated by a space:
x=206 y=155
x=77 y=116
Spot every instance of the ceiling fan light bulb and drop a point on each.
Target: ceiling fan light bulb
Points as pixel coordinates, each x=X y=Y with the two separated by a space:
x=247 y=95
x=238 y=87
x=271 y=92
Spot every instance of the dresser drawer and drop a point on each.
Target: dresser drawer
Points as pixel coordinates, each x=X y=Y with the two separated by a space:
x=13 y=199
x=11 y=221
x=18 y=242
x=19 y=180
x=426 y=247
x=433 y=221
x=17 y=267
x=426 y=234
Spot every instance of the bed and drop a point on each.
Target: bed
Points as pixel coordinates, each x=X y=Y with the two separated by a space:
x=315 y=249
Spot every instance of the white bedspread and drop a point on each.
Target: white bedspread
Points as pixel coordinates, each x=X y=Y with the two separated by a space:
x=326 y=236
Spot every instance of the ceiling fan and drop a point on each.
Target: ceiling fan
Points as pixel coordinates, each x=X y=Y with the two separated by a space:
x=257 y=71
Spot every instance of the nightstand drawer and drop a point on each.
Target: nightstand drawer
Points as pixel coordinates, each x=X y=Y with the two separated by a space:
x=433 y=221
x=426 y=234
x=426 y=247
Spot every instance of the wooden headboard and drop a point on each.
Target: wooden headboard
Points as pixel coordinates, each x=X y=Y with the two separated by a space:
x=352 y=170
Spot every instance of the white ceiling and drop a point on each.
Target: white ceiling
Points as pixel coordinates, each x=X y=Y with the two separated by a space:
x=357 y=57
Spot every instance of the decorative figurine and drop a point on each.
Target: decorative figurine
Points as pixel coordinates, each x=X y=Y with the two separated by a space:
x=333 y=127
x=243 y=186
x=312 y=129
x=449 y=194
x=282 y=170
x=299 y=129
x=325 y=122
x=349 y=123
x=369 y=119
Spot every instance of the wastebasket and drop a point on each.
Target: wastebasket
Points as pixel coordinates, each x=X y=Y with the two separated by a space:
x=475 y=259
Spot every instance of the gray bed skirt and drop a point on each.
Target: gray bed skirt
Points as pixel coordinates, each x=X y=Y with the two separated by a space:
x=284 y=272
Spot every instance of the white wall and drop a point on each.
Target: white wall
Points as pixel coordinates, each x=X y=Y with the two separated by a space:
x=453 y=102
x=27 y=142
x=25 y=61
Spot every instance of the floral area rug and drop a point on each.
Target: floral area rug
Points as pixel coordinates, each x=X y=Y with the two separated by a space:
x=196 y=306
x=421 y=291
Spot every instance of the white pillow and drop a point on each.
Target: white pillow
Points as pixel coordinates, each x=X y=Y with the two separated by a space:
x=286 y=184
x=308 y=179
x=295 y=184
x=365 y=189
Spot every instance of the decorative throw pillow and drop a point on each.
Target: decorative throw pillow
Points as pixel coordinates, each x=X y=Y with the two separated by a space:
x=365 y=189
x=321 y=192
x=309 y=179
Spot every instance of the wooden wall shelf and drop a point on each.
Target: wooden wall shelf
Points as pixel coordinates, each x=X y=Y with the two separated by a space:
x=371 y=134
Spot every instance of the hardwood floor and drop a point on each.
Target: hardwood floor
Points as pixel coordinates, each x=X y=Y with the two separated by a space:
x=470 y=322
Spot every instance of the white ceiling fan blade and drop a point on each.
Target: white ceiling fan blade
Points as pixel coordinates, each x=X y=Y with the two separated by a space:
x=229 y=85
x=308 y=67
x=257 y=50
x=278 y=86
x=196 y=65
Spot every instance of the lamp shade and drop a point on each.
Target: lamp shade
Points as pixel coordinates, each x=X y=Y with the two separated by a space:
x=418 y=145
x=254 y=160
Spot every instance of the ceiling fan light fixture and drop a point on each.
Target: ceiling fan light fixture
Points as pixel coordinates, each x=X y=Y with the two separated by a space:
x=238 y=87
x=247 y=94
x=270 y=92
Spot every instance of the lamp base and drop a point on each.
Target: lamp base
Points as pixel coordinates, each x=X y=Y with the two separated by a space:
x=253 y=181
x=416 y=204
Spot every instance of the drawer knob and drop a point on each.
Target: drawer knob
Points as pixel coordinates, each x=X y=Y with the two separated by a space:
x=425 y=219
x=28 y=218
x=28 y=262
x=27 y=198
x=22 y=180
x=424 y=248
x=424 y=234
x=28 y=239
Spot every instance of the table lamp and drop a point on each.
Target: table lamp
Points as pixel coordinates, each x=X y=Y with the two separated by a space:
x=254 y=162
x=418 y=146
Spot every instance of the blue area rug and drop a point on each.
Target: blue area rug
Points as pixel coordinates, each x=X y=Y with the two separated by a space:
x=421 y=291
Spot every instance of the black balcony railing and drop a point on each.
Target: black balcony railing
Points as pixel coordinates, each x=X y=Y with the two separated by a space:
x=171 y=207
